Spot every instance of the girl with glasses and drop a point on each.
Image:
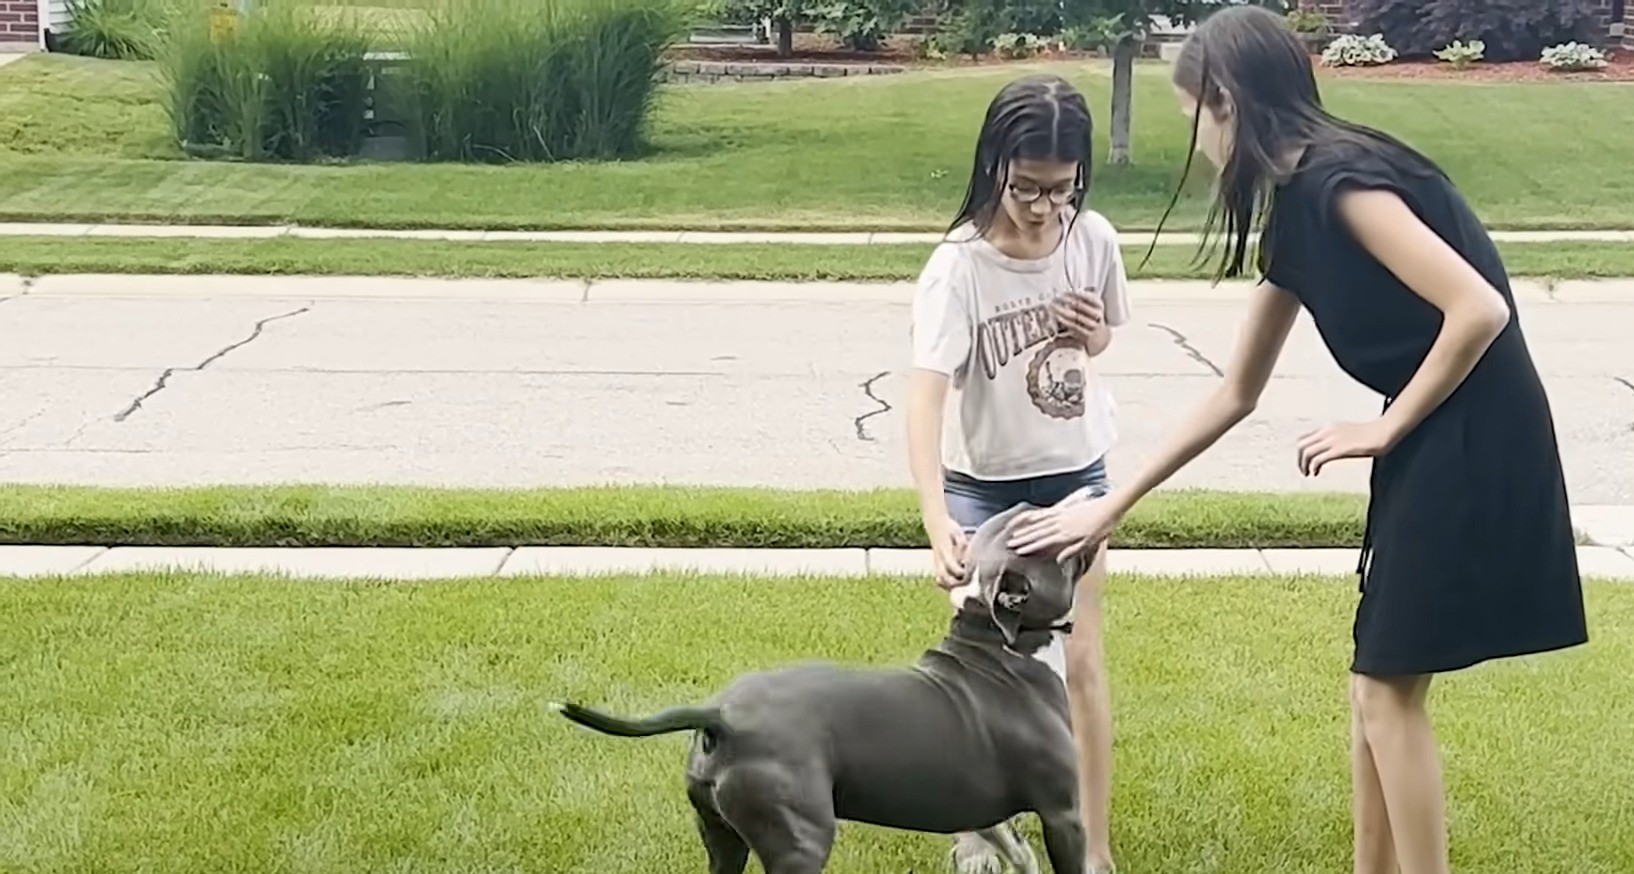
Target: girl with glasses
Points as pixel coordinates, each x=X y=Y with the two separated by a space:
x=1004 y=402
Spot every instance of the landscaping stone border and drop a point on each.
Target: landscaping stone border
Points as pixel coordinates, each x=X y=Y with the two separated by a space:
x=711 y=72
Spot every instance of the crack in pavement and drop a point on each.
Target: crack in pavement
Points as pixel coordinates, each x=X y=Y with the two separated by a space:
x=78 y=433
x=868 y=389
x=1628 y=385
x=164 y=378
x=1191 y=351
x=23 y=424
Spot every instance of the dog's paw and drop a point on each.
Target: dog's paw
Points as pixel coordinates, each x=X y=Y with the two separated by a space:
x=972 y=854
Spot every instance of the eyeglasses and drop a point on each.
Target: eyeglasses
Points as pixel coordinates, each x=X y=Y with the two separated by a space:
x=1030 y=193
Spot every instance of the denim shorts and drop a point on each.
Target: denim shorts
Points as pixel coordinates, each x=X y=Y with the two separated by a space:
x=972 y=501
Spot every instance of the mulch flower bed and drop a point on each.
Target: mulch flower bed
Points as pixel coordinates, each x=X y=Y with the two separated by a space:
x=817 y=49
x=1620 y=68
x=808 y=49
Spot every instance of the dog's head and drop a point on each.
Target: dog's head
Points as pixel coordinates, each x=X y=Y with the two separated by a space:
x=1020 y=592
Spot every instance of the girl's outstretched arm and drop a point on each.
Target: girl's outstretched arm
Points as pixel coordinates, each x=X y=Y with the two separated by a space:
x=1080 y=524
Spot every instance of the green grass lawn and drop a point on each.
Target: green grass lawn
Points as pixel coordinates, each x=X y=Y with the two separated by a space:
x=37 y=256
x=195 y=725
x=612 y=516
x=83 y=139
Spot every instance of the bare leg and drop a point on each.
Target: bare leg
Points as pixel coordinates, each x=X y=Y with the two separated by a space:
x=1090 y=700
x=1396 y=728
x=978 y=852
x=1375 y=853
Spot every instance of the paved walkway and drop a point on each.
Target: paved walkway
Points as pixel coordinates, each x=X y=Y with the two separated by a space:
x=182 y=380
x=1599 y=562
x=242 y=232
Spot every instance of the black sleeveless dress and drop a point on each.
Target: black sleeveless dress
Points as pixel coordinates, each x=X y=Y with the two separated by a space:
x=1469 y=553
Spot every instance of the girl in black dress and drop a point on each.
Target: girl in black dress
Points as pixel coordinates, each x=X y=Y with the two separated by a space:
x=1469 y=553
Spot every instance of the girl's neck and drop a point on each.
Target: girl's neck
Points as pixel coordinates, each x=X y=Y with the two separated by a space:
x=1025 y=245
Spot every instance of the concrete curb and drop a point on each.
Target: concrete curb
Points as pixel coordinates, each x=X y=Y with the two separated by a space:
x=1597 y=562
x=621 y=291
x=863 y=238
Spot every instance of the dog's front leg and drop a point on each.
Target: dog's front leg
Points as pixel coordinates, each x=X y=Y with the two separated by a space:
x=1063 y=840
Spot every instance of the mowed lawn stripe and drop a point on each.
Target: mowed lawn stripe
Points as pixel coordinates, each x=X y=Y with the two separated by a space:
x=187 y=723
x=657 y=516
x=39 y=256
x=87 y=140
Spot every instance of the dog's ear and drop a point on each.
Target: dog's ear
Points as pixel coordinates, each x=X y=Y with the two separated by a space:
x=1009 y=597
x=1073 y=567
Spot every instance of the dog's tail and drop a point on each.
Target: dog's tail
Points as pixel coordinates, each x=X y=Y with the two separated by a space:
x=705 y=719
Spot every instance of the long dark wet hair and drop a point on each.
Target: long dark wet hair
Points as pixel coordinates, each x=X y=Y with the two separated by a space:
x=1248 y=55
x=1040 y=118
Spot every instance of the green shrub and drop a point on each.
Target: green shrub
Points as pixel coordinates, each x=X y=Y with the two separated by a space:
x=519 y=80
x=977 y=27
x=1461 y=54
x=118 y=30
x=286 y=85
x=1308 y=22
x=1016 y=46
x=1510 y=30
x=971 y=30
x=862 y=25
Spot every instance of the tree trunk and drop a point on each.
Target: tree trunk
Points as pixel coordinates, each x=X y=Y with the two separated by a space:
x=785 y=37
x=1123 y=76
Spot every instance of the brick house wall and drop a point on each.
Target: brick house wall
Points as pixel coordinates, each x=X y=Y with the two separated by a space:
x=19 y=24
x=1612 y=13
x=1628 y=27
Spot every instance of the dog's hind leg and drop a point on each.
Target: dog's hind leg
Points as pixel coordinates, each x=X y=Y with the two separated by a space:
x=787 y=818
x=1011 y=847
x=728 y=854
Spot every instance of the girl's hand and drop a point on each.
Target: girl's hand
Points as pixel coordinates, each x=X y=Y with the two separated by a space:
x=1067 y=529
x=949 y=547
x=1342 y=440
x=1082 y=315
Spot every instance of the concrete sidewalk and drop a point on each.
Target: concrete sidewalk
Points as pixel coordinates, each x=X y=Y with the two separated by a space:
x=171 y=287
x=883 y=238
x=1597 y=562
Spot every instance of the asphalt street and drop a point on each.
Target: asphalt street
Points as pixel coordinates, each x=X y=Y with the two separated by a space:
x=218 y=380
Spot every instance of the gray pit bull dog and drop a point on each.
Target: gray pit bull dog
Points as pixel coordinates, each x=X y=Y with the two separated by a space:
x=973 y=734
